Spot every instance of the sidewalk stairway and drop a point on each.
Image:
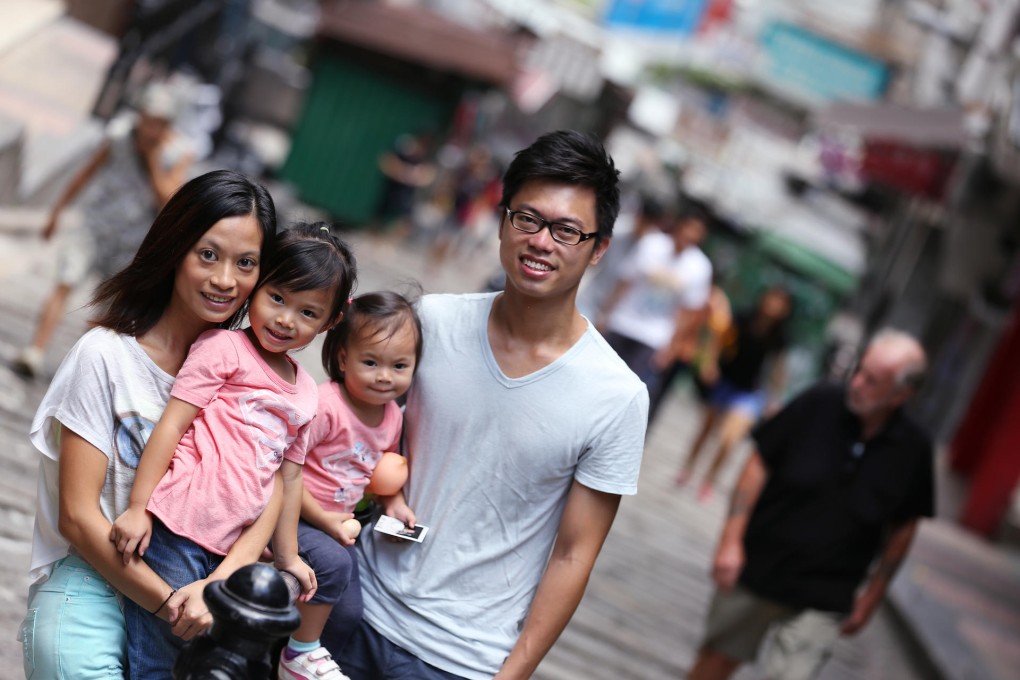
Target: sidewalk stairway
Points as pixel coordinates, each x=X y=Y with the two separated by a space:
x=959 y=596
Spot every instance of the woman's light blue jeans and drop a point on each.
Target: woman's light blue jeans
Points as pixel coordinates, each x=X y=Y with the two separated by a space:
x=74 y=627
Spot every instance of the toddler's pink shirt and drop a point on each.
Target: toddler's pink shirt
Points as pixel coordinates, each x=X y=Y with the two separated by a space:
x=343 y=451
x=223 y=471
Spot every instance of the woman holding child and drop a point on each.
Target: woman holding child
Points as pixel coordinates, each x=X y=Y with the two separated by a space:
x=194 y=271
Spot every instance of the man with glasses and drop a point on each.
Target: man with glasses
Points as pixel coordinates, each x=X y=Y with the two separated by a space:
x=523 y=428
x=839 y=477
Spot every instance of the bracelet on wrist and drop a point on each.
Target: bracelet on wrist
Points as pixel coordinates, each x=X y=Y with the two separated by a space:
x=160 y=607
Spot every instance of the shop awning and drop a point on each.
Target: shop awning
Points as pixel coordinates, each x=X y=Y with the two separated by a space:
x=910 y=126
x=416 y=35
x=807 y=262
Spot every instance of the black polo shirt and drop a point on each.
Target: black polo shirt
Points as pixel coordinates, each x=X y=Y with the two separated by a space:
x=830 y=498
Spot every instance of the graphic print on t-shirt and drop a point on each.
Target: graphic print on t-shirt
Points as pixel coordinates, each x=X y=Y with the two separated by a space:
x=351 y=469
x=273 y=424
x=130 y=433
x=662 y=289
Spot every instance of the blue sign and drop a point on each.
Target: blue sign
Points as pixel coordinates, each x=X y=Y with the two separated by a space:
x=672 y=16
x=821 y=68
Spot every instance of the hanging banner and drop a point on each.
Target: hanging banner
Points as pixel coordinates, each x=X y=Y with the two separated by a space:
x=681 y=17
x=820 y=68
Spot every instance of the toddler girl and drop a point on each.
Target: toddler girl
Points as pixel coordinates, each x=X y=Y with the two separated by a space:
x=237 y=421
x=370 y=357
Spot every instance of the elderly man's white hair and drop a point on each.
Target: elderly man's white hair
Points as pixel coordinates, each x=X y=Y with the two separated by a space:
x=909 y=352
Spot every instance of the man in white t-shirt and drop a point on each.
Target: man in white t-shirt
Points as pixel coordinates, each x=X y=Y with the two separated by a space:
x=652 y=316
x=523 y=429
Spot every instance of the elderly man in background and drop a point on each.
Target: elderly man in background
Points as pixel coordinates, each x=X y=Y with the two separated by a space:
x=839 y=477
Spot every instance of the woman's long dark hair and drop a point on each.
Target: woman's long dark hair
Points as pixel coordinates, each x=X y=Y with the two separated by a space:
x=134 y=299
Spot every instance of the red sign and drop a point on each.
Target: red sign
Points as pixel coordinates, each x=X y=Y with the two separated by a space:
x=923 y=172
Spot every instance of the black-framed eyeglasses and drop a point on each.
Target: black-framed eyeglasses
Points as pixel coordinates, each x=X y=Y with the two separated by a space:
x=561 y=233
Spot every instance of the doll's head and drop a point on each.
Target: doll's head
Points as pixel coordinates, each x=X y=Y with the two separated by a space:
x=389 y=476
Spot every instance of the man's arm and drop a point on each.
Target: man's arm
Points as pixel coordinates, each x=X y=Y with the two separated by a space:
x=583 y=528
x=889 y=562
x=729 y=554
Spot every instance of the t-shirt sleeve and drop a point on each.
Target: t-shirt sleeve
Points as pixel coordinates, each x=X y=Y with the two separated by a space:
x=86 y=405
x=636 y=263
x=210 y=363
x=695 y=295
x=394 y=445
x=398 y=429
x=612 y=462
x=298 y=449
x=320 y=429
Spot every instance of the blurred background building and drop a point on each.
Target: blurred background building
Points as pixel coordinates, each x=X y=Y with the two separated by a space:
x=863 y=154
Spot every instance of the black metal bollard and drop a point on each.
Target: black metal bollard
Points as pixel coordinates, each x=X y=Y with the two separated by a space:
x=250 y=610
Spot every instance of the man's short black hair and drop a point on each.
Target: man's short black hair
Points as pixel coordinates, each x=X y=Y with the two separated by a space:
x=570 y=157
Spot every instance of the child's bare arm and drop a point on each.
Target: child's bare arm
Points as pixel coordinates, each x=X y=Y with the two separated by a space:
x=331 y=523
x=134 y=527
x=194 y=614
x=285 y=543
x=396 y=506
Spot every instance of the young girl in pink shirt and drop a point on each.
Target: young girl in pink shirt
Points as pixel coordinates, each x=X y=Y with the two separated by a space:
x=235 y=430
x=370 y=357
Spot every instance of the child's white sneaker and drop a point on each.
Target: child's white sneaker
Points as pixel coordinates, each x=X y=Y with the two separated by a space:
x=314 y=665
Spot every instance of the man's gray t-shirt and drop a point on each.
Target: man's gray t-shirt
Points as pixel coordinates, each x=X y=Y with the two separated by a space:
x=491 y=461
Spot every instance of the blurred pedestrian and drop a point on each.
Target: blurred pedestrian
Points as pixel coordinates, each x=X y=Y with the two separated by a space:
x=840 y=477
x=475 y=195
x=116 y=196
x=657 y=307
x=406 y=170
x=718 y=320
x=601 y=280
x=733 y=368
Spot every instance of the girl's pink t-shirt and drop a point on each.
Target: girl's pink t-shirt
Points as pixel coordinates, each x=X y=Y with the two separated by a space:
x=223 y=471
x=343 y=451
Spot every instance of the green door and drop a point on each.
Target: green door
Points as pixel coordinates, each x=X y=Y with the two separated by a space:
x=351 y=117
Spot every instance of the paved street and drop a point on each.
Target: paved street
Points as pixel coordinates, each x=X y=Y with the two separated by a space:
x=642 y=615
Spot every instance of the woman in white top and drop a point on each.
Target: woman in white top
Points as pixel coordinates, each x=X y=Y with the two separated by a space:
x=194 y=271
